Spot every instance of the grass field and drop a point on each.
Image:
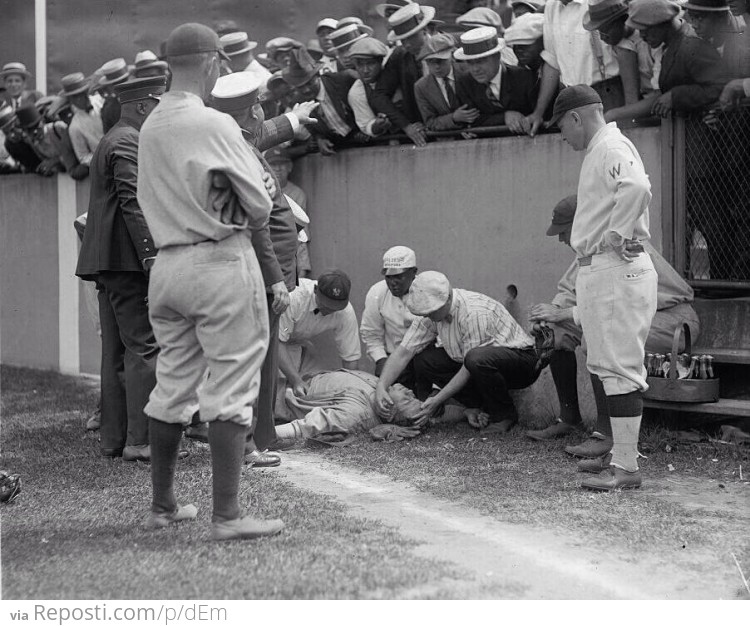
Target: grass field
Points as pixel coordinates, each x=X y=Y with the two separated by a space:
x=76 y=530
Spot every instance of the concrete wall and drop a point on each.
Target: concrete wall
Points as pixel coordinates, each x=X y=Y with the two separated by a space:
x=476 y=210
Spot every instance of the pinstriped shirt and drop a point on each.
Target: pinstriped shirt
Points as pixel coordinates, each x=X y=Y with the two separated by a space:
x=476 y=321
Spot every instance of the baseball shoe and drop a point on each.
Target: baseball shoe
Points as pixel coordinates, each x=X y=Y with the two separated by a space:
x=556 y=430
x=592 y=448
x=180 y=514
x=256 y=458
x=613 y=478
x=594 y=466
x=245 y=528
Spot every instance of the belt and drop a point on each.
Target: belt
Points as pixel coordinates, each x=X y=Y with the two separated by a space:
x=585 y=261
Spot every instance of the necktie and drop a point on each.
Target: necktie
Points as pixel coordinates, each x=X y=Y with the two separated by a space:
x=491 y=96
x=450 y=92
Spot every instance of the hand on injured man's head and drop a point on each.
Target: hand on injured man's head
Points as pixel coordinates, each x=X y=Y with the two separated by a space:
x=405 y=407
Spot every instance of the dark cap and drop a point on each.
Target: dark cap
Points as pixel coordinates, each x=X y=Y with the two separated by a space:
x=572 y=98
x=141 y=88
x=193 y=38
x=333 y=289
x=562 y=215
x=28 y=116
x=277 y=155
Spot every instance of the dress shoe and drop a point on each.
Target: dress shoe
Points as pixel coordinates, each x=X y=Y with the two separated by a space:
x=180 y=514
x=137 y=453
x=558 y=429
x=95 y=421
x=256 y=458
x=199 y=432
x=245 y=528
x=592 y=448
x=111 y=452
x=594 y=466
x=613 y=478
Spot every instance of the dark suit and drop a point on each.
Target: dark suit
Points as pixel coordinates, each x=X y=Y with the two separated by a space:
x=337 y=88
x=115 y=243
x=283 y=231
x=27 y=96
x=110 y=112
x=691 y=71
x=402 y=71
x=518 y=92
x=435 y=110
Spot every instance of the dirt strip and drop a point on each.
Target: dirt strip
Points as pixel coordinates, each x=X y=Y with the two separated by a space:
x=501 y=560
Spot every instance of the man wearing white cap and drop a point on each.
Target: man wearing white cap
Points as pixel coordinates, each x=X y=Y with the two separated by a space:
x=239 y=49
x=328 y=61
x=386 y=318
x=524 y=7
x=408 y=25
x=502 y=94
x=484 y=353
x=367 y=55
x=436 y=92
x=573 y=56
x=524 y=36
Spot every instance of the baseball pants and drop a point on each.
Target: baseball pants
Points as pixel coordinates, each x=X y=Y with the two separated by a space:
x=616 y=305
x=207 y=304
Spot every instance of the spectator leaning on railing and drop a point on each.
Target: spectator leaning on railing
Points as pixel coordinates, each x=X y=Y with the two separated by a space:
x=85 y=128
x=367 y=55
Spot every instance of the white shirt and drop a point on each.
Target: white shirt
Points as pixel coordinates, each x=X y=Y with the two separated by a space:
x=256 y=69
x=568 y=45
x=385 y=320
x=363 y=113
x=299 y=323
x=613 y=194
x=646 y=59
x=86 y=129
x=328 y=65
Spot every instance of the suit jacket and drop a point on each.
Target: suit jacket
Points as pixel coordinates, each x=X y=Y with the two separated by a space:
x=691 y=69
x=518 y=92
x=28 y=96
x=281 y=225
x=436 y=112
x=117 y=237
x=402 y=71
x=337 y=87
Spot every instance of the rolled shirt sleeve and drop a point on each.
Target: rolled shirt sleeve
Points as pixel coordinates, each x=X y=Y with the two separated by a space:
x=373 y=325
x=422 y=333
x=347 y=335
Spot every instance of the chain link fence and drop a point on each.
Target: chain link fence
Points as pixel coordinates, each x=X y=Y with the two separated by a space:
x=717 y=199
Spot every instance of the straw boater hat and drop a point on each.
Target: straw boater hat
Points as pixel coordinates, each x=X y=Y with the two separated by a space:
x=709 y=6
x=601 y=12
x=14 y=67
x=114 y=72
x=73 y=84
x=409 y=20
x=346 y=36
x=346 y=21
x=147 y=60
x=237 y=43
x=479 y=43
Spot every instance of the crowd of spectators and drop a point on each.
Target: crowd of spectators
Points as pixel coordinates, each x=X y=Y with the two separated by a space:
x=482 y=68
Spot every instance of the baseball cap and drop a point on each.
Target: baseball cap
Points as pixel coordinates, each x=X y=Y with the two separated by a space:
x=193 y=38
x=572 y=98
x=333 y=289
x=562 y=215
x=429 y=291
x=397 y=259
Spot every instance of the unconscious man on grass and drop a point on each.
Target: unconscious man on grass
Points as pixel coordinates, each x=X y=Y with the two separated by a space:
x=343 y=402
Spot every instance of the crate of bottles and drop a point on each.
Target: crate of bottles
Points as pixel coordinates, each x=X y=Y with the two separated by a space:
x=681 y=376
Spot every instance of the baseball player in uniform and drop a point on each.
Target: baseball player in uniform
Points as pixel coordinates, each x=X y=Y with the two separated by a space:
x=207 y=300
x=386 y=317
x=674 y=308
x=616 y=286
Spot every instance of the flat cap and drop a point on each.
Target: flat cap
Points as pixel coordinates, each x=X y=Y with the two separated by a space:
x=525 y=29
x=368 y=47
x=645 y=13
x=326 y=22
x=141 y=88
x=236 y=92
x=193 y=38
x=429 y=291
x=572 y=98
x=440 y=46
